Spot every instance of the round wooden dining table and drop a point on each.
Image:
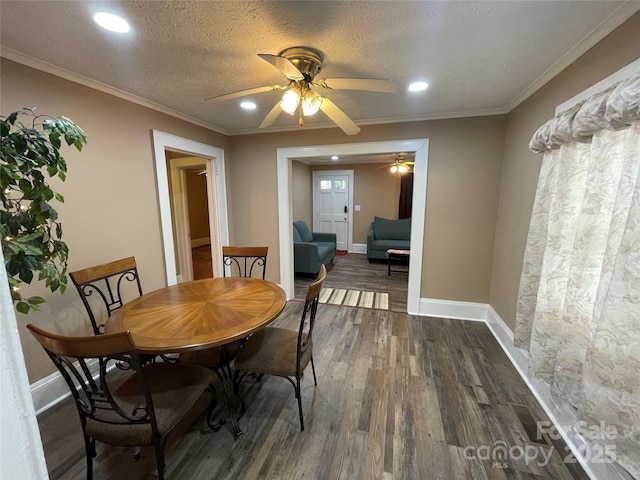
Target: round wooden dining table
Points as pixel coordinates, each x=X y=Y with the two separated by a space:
x=201 y=314
x=198 y=314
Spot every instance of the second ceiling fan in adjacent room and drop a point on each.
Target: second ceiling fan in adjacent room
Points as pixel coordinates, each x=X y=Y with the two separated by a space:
x=400 y=165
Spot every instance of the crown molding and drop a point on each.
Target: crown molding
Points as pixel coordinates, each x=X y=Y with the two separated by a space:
x=37 y=64
x=375 y=121
x=608 y=25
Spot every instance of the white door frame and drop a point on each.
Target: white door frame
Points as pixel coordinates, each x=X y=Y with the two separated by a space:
x=419 y=146
x=216 y=193
x=349 y=175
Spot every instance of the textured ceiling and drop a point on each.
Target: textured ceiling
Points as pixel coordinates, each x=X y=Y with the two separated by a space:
x=479 y=57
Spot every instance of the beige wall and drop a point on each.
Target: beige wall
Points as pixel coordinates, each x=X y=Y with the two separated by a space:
x=111 y=201
x=521 y=167
x=462 y=195
x=375 y=189
x=302 y=193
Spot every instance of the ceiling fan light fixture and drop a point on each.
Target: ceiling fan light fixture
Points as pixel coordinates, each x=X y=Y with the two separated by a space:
x=394 y=168
x=402 y=168
x=311 y=103
x=290 y=101
x=300 y=65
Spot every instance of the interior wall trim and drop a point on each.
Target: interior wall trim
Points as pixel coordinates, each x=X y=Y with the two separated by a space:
x=359 y=248
x=52 y=389
x=199 y=242
x=433 y=307
x=559 y=411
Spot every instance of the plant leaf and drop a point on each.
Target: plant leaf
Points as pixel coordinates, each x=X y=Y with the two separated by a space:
x=23 y=307
x=28 y=156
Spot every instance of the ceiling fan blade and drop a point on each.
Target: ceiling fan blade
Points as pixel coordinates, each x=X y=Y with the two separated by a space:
x=271 y=116
x=243 y=93
x=367 y=84
x=339 y=117
x=287 y=68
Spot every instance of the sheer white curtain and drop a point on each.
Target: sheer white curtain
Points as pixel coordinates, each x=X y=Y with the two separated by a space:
x=578 y=309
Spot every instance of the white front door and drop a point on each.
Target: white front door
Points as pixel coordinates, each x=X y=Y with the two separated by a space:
x=332 y=199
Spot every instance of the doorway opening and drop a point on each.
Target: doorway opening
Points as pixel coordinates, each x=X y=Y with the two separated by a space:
x=188 y=155
x=284 y=159
x=189 y=197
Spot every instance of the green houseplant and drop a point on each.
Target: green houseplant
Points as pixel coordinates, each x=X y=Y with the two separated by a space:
x=31 y=234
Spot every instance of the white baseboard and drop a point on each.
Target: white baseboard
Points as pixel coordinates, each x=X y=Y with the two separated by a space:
x=198 y=242
x=432 y=307
x=559 y=411
x=52 y=389
x=358 y=248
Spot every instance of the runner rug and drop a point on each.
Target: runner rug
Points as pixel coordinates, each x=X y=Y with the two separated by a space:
x=354 y=298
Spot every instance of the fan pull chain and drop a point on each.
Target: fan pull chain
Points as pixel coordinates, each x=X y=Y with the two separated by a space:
x=300 y=120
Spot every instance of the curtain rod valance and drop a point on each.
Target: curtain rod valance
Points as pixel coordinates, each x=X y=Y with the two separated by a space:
x=613 y=109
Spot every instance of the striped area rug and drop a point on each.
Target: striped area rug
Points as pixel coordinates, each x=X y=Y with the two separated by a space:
x=354 y=298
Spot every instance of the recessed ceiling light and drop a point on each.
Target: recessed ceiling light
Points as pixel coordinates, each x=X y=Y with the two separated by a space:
x=335 y=157
x=248 y=105
x=418 y=86
x=111 y=22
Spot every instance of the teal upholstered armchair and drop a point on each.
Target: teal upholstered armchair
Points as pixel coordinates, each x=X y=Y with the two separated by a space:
x=311 y=249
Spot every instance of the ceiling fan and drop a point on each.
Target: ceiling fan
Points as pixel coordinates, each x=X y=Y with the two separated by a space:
x=300 y=65
x=400 y=165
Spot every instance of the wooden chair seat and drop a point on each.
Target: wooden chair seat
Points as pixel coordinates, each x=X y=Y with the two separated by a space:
x=174 y=389
x=272 y=351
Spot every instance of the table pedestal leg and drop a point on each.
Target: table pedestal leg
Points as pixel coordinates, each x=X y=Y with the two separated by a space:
x=225 y=375
x=226 y=379
x=215 y=426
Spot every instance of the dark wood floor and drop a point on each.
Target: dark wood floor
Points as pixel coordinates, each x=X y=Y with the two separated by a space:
x=353 y=271
x=201 y=259
x=398 y=397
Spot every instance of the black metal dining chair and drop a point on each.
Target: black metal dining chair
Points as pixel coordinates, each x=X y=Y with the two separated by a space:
x=113 y=283
x=282 y=352
x=132 y=408
x=245 y=261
